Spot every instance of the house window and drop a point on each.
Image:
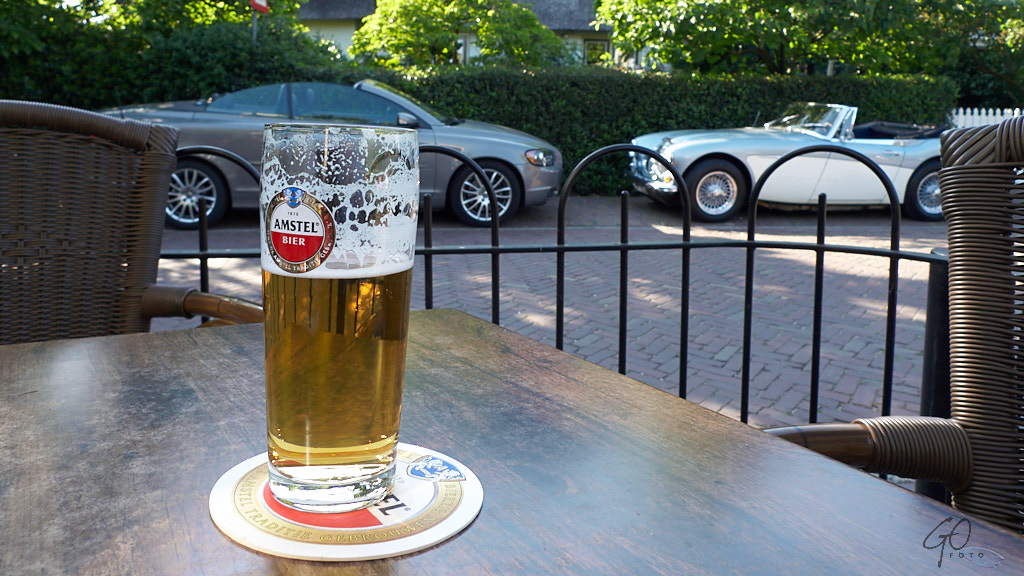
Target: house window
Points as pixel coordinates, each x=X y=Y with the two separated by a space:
x=594 y=49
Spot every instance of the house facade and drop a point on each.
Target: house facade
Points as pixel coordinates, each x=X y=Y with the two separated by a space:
x=571 y=20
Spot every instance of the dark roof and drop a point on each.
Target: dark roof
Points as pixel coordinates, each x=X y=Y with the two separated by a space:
x=555 y=14
x=563 y=14
x=337 y=9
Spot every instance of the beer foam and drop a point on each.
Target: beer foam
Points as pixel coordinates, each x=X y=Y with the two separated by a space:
x=367 y=178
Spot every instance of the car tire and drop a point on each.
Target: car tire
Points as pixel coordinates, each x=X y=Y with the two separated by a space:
x=192 y=180
x=717 y=189
x=922 y=200
x=467 y=195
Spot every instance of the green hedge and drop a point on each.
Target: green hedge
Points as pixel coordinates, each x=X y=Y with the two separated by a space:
x=580 y=110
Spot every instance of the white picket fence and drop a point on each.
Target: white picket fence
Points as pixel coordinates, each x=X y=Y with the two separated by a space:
x=969 y=117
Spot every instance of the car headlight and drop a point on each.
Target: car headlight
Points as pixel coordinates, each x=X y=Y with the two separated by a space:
x=539 y=157
x=658 y=171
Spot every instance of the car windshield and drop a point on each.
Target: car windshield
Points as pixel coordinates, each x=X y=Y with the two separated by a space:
x=807 y=117
x=430 y=110
x=261 y=100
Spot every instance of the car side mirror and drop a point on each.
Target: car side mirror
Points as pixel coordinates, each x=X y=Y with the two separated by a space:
x=407 y=120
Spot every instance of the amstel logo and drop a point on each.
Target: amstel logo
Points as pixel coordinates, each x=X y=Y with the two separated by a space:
x=300 y=231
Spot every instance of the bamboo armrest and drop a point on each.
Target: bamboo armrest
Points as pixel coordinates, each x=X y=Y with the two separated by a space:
x=849 y=443
x=907 y=446
x=178 y=301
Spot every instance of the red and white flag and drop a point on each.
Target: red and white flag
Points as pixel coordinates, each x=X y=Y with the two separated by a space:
x=260 y=5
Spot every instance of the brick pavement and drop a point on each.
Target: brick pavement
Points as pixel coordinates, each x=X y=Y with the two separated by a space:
x=853 y=316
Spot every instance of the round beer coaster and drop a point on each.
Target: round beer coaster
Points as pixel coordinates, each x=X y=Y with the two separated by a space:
x=434 y=498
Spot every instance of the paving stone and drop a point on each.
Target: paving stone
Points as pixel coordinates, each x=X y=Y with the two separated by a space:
x=853 y=307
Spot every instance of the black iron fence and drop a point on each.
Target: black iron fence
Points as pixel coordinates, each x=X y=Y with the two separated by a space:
x=935 y=376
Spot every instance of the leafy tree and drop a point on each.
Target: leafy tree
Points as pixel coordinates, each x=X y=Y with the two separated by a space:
x=408 y=32
x=45 y=50
x=511 y=34
x=774 y=36
x=98 y=53
x=978 y=42
x=27 y=26
x=427 y=33
x=163 y=16
x=220 y=57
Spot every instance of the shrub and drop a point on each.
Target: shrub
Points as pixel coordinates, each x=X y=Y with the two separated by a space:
x=198 y=60
x=580 y=110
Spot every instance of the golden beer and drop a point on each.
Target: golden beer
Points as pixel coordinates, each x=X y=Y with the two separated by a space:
x=338 y=207
x=335 y=360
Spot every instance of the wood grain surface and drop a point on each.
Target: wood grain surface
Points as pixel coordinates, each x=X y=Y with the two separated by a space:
x=110 y=447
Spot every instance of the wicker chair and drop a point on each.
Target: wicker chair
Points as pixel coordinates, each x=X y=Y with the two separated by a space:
x=978 y=453
x=82 y=197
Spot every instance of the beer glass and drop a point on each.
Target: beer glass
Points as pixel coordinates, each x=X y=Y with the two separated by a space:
x=338 y=210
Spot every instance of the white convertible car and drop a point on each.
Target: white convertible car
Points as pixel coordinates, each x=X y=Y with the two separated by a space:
x=720 y=167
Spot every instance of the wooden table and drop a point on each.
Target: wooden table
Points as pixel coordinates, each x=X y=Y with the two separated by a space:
x=110 y=447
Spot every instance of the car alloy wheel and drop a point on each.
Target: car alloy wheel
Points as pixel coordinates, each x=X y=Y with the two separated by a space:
x=191 y=181
x=469 y=200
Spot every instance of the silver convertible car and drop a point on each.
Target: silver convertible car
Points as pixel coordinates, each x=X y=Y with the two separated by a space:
x=720 y=167
x=522 y=169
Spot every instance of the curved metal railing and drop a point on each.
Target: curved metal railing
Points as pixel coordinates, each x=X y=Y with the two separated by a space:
x=685 y=246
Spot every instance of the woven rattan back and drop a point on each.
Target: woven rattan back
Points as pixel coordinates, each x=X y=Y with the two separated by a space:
x=82 y=197
x=983 y=202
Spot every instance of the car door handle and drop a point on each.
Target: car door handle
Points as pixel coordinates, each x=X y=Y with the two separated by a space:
x=889 y=156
